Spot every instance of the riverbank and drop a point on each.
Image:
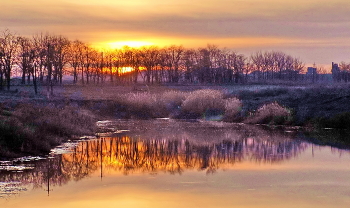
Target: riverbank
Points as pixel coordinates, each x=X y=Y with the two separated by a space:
x=32 y=124
x=29 y=128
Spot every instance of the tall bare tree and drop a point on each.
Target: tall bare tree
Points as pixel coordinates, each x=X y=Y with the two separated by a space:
x=25 y=48
x=8 y=54
x=149 y=59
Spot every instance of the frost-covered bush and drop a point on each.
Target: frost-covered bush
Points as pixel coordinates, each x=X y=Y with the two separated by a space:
x=203 y=102
x=233 y=107
x=271 y=113
x=173 y=99
x=144 y=105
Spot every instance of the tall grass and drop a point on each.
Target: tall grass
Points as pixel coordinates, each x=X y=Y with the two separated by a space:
x=177 y=104
x=173 y=99
x=203 y=103
x=35 y=129
x=143 y=105
x=61 y=121
x=233 y=107
x=271 y=113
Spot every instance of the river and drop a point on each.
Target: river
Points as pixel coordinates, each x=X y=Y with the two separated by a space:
x=167 y=163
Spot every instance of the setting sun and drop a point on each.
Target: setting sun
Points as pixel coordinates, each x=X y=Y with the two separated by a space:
x=126 y=69
x=130 y=43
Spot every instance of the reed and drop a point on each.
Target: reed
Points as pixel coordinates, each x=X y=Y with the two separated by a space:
x=203 y=103
x=271 y=113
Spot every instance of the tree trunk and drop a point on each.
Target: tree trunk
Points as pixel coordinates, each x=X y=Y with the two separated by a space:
x=8 y=78
x=35 y=83
x=1 y=81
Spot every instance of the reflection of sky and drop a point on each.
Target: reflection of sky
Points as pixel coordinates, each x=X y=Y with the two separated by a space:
x=314 y=30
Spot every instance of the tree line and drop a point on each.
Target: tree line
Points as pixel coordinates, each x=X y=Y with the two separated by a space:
x=44 y=59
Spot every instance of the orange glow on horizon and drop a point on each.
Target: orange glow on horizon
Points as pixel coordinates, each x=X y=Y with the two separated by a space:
x=121 y=44
x=235 y=42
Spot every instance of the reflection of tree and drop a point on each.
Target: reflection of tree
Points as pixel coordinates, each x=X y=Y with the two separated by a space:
x=132 y=154
x=126 y=154
x=38 y=176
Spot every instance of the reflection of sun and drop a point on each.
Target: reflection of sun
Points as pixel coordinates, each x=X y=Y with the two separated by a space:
x=131 y=43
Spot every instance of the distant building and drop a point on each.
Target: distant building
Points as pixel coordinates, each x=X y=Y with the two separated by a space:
x=311 y=70
x=336 y=72
x=311 y=74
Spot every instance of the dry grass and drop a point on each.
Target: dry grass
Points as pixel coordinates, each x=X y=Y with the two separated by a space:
x=233 y=107
x=203 y=102
x=176 y=104
x=174 y=99
x=271 y=113
x=35 y=129
x=143 y=105
x=64 y=121
x=103 y=92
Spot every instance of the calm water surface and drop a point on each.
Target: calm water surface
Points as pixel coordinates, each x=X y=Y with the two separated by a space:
x=181 y=164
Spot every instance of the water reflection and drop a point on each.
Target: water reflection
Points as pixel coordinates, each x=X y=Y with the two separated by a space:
x=126 y=154
x=149 y=153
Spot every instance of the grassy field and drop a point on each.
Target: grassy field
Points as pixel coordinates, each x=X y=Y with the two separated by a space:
x=109 y=92
x=306 y=102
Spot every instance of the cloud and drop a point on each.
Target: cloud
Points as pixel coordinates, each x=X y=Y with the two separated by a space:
x=296 y=23
x=252 y=18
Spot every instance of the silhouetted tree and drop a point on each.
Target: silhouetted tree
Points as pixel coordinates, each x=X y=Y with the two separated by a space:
x=8 y=51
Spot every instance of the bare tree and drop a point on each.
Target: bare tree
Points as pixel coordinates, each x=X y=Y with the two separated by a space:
x=344 y=71
x=9 y=49
x=109 y=57
x=40 y=46
x=149 y=59
x=189 y=62
x=60 y=56
x=257 y=60
x=175 y=55
x=298 y=67
x=24 y=57
x=75 y=56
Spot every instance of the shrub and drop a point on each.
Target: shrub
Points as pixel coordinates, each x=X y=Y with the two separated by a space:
x=37 y=128
x=17 y=137
x=65 y=121
x=173 y=99
x=144 y=105
x=203 y=103
x=271 y=113
x=233 y=107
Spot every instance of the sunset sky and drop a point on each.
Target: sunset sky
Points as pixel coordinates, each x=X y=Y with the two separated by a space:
x=313 y=30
